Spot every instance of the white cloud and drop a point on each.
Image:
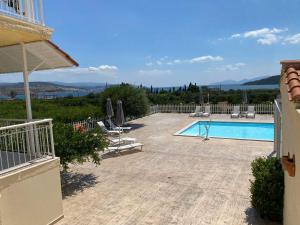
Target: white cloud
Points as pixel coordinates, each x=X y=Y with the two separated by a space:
x=264 y=36
x=294 y=39
x=155 y=72
x=93 y=69
x=227 y=68
x=236 y=35
x=108 y=69
x=204 y=59
x=233 y=67
x=200 y=59
x=149 y=64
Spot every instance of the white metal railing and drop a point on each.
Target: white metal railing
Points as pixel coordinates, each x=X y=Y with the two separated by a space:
x=88 y=124
x=214 y=108
x=25 y=143
x=277 y=128
x=27 y=10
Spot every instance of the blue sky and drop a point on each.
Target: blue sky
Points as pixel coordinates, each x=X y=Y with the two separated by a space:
x=164 y=42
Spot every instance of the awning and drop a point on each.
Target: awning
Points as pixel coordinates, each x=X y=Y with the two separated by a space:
x=41 y=55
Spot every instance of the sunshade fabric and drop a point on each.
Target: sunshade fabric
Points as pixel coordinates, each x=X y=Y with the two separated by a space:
x=120 y=114
x=109 y=108
x=41 y=55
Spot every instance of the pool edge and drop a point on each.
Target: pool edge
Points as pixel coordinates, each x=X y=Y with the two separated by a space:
x=227 y=138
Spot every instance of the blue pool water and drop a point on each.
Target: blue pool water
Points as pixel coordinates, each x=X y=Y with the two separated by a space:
x=235 y=130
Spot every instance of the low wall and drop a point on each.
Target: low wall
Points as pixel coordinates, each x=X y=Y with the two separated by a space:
x=31 y=195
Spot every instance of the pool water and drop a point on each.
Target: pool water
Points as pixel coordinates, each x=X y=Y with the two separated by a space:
x=234 y=130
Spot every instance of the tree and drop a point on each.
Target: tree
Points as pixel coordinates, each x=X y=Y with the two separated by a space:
x=12 y=94
x=135 y=101
x=75 y=146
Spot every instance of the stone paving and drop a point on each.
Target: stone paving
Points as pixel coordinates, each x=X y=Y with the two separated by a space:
x=174 y=180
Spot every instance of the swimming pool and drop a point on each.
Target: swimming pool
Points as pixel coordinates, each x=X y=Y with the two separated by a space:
x=232 y=130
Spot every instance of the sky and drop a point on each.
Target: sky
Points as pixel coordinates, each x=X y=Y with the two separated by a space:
x=169 y=43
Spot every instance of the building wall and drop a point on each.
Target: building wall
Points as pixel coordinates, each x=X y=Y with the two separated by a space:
x=32 y=195
x=291 y=144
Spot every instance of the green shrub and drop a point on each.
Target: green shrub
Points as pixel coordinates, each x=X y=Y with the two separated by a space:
x=135 y=101
x=73 y=146
x=267 y=189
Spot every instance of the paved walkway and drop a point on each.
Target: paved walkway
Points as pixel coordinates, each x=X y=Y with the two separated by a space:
x=175 y=180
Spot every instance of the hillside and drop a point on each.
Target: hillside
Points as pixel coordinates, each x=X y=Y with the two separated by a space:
x=36 y=87
x=265 y=81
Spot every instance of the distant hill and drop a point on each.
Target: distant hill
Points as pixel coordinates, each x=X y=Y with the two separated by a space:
x=266 y=81
x=236 y=82
x=52 y=87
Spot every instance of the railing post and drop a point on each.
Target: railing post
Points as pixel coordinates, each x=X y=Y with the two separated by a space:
x=41 y=12
x=52 y=139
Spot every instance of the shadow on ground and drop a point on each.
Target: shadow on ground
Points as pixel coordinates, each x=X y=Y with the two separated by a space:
x=120 y=154
x=136 y=126
x=72 y=183
x=253 y=218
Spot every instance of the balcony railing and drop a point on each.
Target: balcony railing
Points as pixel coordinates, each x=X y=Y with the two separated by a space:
x=27 y=10
x=26 y=143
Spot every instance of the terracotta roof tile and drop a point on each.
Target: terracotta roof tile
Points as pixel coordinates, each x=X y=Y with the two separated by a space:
x=291 y=73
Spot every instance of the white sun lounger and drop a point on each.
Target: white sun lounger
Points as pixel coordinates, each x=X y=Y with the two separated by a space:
x=236 y=112
x=206 y=111
x=197 y=112
x=114 y=127
x=124 y=147
x=250 y=112
x=105 y=131
x=122 y=141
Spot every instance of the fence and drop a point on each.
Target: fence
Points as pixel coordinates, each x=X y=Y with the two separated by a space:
x=214 y=108
x=25 y=143
x=28 y=10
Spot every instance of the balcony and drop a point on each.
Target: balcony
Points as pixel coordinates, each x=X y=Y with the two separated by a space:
x=26 y=10
x=22 y=21
x=25 y=143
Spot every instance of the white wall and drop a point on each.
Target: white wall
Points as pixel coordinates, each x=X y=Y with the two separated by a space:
x=291 y=144
x=31 y=196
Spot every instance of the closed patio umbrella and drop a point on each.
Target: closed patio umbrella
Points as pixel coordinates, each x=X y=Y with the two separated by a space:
x=120 y=119
x=109 y=110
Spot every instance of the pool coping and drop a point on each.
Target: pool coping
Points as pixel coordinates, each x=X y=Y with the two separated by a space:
x=178 y=133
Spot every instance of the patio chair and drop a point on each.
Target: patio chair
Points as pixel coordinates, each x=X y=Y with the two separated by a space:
x=124 y=147
x=115 y=127
x=206 y=111
x=250 y=112
x=197 y=112
x=236 y=112
x=106 y=131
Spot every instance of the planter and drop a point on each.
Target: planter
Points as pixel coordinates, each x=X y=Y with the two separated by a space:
x=289 y=165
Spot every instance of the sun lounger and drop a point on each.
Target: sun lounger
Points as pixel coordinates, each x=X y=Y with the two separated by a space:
x=206 y=111
x=197 y=112
x=114 y=127
x=236 y=112
x=124 y=147
x=250 y=112
x=109 y=132
x=122 y=141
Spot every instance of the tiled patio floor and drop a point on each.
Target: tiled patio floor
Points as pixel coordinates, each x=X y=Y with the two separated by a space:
x=175 y=180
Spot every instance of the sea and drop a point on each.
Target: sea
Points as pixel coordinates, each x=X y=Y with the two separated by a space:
x=245 y=87
x=52 y=95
